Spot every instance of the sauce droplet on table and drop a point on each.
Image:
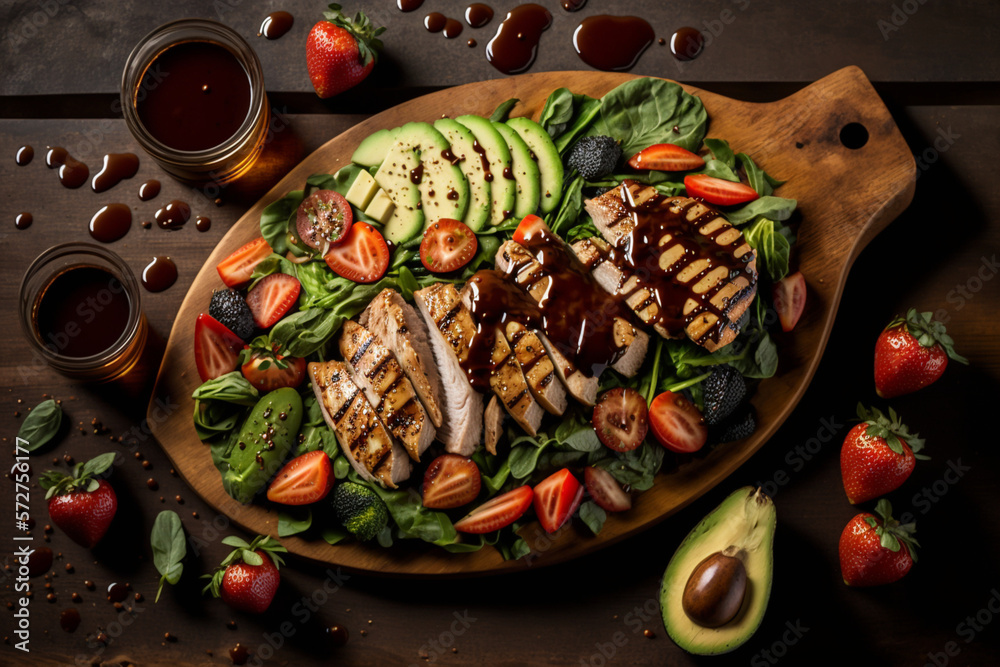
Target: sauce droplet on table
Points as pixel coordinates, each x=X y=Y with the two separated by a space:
x=275 y=25
x=612 y=43
x=514 y=48
x=687 y=43
x=117 y=167
x=159 y=274
x=111 y=223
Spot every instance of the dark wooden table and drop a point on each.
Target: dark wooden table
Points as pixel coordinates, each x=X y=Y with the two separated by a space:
x=936 y=64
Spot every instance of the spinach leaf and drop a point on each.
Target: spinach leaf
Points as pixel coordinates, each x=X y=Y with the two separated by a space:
x=592 y=516
x=557 y=112
x=169 y=548
x=220 y=404
x=775 y=208
x=772 y=246
x=643 y=112
x=273 y=263
x=587 y=122
x=293 y=523
x=332 y=535
x=721 y=151
x=636 y=468
x=524 y=458
x=274 y=220
x=571 y=205
x=314 y=433
x=40 y=426
x=503 y=111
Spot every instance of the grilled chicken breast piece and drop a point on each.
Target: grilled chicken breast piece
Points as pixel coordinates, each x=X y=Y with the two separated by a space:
x=711 y=322
x=451 y=330
x=516 y=260
x=366 y=443
x=493 y=424
x=397 y=325
x=387 y=388
x=537 y=367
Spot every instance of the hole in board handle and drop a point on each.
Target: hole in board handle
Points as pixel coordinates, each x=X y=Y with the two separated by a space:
x=854 y=135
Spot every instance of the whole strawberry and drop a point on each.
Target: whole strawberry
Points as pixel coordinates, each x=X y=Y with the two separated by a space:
x=911 y=353
x=79 y=503
x=248 y=577
x=878 y=455
x=875 y=552
x=340 y=51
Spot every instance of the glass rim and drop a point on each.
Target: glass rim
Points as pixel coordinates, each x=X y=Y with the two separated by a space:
x=26 y=306
x=156 y=42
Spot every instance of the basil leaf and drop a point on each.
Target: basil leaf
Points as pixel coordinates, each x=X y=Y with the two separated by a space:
x=274 y=220
x=593 y=516
x=98 y=465
x=557 y=112
x=643 y=112
x=503 y=111
x=40 y=426
x=220 y=404
x=721 y=151
x=293 y=524
x=169 y=548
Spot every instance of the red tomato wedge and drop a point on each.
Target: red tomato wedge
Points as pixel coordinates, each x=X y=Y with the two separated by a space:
x=216 y=348
x=304 y=480
x=448 y=245
x=790 y=299
x=264 y=372
x=363 y=255
x=496 y=513
x=323 y=219
x=556 y=498
x=621 y=419
x=666 y=157
x=605 y=490
x=236 y=269
x=272 y=298
x=528 y=227
x=451 y=481
x=718 y=191
x=677 y=424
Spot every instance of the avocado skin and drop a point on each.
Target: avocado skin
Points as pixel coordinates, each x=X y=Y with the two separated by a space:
x=747 y=519
x=242 y=474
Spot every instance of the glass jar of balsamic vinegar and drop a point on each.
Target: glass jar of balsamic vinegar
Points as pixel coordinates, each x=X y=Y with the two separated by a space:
x=193 y=97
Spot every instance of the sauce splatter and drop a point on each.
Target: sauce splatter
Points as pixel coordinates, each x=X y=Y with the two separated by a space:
x=24 y=156
x=149 y=189
x=612 y=43
x=173 y=215
x=477 y=14
x=514 y=48
x=23 y=220
x=158 y=275
x=275 y=25
x=72 y=172
x=111 y=223
x=117 y=167
x=687 y=43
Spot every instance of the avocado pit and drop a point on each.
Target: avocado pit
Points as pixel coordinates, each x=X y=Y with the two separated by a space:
x=715 y=590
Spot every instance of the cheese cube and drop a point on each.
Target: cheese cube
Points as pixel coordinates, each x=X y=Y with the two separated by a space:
x=380 y=208
x=362 y=190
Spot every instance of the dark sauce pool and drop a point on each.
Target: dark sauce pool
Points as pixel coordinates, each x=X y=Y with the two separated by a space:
x=83 y=311
x=513 y=49
x=612 y=43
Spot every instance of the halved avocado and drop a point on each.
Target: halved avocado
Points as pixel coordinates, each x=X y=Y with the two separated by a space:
x=743 y=526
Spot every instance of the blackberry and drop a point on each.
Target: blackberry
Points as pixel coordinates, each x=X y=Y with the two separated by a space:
x=722 y=393
x=594 y=157
x=232 y=311
x=737 y=428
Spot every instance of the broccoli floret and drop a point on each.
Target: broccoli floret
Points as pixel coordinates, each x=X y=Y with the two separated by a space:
x=594 y=157
x=233 y=312
x=360 y=510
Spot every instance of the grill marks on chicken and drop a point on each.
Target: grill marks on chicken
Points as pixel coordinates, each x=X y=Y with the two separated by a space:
x=677 y=263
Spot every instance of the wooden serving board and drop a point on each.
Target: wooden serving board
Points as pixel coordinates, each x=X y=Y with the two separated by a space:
x=846 y=196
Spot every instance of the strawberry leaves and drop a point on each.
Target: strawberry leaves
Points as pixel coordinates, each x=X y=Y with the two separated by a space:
x=891 y=429
x=246 y=553
x=364 y=31
x=83 y=477
x=169 y=548
x=928 y=332
x=891 y=532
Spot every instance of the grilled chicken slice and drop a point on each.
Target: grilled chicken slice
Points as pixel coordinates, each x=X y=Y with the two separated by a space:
x=537 y=367
x=397 y=325
x=451 y=330
x=366 y=443
x=387 y=388
x=516 y=260
x=493 y=424
x=711 y=322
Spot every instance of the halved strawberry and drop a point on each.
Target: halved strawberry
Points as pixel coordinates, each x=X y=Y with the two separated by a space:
x=496 y=513
x=362 y=256
x=451 y=481
x=216 y=348
x=620 y=419
x=236 y=269
x=677 y=424
x=528 y=227
x=717 y=190
x=605 y=490
x=666 y=157
x=448 y=245
x=303 y=480
x=790 y=299
x=272 y=298
x=556 y=498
